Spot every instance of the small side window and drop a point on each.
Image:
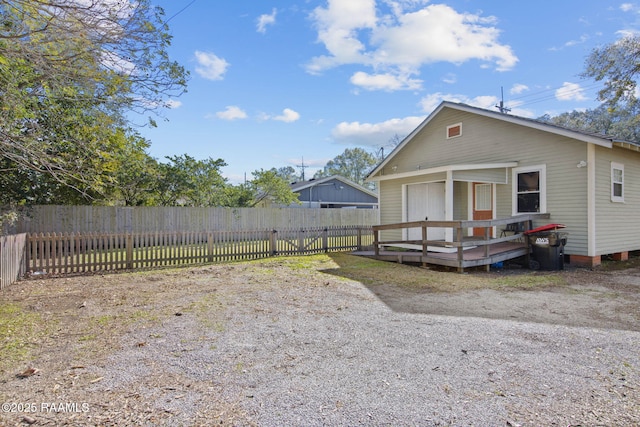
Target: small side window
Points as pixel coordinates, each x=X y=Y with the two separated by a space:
x=454 y=131
x=617 y=182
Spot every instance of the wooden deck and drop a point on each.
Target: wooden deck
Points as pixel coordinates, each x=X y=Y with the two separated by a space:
x=473 y=257
x=461 y=251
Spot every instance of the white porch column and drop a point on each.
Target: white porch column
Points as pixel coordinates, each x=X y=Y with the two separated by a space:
x=448 y=204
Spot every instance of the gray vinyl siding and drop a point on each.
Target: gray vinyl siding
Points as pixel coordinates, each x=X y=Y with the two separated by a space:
x=390 y=204
x=617 y=224
x=481 y=175
x=335 y=191
x=461 y=201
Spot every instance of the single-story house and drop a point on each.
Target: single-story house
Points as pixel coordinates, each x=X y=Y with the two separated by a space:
x=468 y=163
x=334 y=192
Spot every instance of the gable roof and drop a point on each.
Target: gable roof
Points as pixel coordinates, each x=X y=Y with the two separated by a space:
x=594 y=138
x=299 y=186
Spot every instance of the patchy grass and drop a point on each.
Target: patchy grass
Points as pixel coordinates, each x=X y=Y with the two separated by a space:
x=372 y=273
x=209 y=310
x=608 y=264
x=20 y=331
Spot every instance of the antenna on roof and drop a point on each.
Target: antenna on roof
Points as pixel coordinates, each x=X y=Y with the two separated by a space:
x=303 y=167
x=501 y=106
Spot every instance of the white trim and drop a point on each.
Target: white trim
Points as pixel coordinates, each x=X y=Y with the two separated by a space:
x=297 y=187
x=440 y=169
x=614 y=198
x=470 y=204
x=593 y=139
x=543 y=186
x=591 y=200
x=475 y=200
x=405 y=233
x=448 y=205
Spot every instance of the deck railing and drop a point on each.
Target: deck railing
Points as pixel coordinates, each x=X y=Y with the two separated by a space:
x=459 y=241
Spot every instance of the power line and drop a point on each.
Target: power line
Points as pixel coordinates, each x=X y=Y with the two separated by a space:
x=180 y=11
x=545 y=95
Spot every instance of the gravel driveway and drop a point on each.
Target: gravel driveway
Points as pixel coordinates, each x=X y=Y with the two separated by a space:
x=299 y=343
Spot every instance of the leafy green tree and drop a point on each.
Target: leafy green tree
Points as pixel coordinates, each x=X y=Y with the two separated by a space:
x=270 y=185
x=134 y=178
x=618 y=65
x=288 y=173
x=238 y=196
x=70 y=74
x=621 y=123
x=353 y=164
x=267 y=187
x=186 y=181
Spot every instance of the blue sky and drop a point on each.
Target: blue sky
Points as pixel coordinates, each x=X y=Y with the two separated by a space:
x=273 y=83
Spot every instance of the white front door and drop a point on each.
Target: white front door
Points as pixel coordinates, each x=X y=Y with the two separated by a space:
x=425 y=202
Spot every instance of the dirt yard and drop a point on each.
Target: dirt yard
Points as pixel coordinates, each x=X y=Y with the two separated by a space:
x=323 y=340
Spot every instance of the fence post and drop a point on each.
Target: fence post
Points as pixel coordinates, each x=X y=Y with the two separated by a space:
x=325 y=239
x=129 y=249
x=210 y=247
x=273 y=242
x=301 y=241
x=359 y=239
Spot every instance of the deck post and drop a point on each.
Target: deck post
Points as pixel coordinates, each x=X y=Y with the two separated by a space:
x=376 y=239
x=424 y=240
x=486 y=237
x=460 y=249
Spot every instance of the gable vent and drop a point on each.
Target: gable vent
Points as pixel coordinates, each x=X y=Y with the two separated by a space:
x=454 y=131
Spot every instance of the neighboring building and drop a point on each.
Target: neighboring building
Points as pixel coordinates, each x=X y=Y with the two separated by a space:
x=467 y=163
x=334 y=192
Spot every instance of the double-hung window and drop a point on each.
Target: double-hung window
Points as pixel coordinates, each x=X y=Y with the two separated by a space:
x=529 y=189
x=617 y=182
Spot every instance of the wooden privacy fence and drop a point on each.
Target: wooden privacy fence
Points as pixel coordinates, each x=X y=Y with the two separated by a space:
x=12 y=258
x=68 y=253
x=113 y=219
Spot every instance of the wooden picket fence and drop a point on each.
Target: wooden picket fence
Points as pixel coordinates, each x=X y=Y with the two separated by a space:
x=72 y=253
x=12 y=258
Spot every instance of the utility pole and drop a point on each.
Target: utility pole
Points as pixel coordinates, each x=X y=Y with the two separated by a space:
x=302 y=167
x=501 y=106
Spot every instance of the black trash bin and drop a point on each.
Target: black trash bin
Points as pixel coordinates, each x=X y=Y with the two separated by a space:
x=547 y=249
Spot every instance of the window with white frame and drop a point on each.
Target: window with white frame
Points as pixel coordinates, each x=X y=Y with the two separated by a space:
x=617 y=182
x=529 y=189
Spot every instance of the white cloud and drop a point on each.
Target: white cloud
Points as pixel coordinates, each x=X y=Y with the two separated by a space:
x=374 y=134
x=173 y=104
x=583 y=39
x=210 y=66
x=570 y=92
x=264 y=20
x=232 y=112
x=518 y=88
x=627 y=7
x=399 y=42
x=450 y=78
x=386 y=81
x=287 y=116
x=488 y=102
